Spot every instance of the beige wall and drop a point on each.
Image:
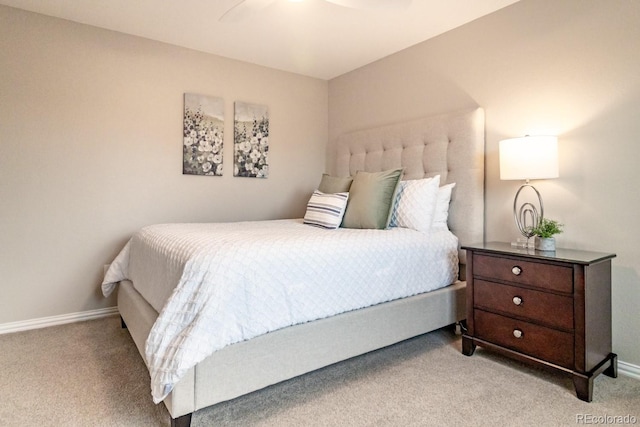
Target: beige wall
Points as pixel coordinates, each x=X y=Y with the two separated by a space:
x=570 y=68
x=90 y=137
x=91 y=146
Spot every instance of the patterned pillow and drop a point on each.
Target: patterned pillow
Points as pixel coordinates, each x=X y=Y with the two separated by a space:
x=416 y=204
x=325 y=210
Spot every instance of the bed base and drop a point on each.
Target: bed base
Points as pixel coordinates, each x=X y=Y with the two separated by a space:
x=284 y=354
x=451 y=145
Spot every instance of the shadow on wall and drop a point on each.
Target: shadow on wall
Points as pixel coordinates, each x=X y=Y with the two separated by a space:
x=625 y=303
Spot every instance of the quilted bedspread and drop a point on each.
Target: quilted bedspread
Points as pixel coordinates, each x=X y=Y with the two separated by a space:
x=222 y=283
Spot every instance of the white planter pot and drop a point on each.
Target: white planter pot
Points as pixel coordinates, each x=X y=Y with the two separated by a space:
x=545 y=244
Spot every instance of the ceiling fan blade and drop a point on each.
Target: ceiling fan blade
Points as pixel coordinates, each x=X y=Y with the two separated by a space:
x=244 y=9
x=373 y=4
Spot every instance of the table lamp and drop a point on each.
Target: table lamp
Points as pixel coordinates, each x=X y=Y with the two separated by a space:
x=526 y=158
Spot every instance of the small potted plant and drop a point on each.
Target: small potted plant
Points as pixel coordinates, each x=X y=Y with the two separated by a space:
x=544 y=232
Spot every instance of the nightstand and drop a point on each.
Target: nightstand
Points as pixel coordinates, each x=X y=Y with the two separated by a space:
x=550 y=309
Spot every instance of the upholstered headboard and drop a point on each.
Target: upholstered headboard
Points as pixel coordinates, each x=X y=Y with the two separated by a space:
x=450 y=145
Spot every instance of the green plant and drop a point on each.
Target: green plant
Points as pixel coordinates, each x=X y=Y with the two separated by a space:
x=547 y=228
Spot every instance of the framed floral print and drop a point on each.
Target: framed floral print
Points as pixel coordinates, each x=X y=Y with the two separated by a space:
x=203 y=135
x=251 y=140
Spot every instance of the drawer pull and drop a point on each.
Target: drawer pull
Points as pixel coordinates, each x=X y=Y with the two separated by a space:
x=516 y=270
x=517 y=333
x=517 y=300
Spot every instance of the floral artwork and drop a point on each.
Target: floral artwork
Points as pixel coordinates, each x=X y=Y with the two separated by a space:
x=203 y=131
x=251 y=140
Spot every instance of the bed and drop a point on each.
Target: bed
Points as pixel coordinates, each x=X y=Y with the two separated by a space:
x=447 y=147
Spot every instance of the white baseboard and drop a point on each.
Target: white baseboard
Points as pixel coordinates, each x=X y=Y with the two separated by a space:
x=629 y=370
x=45 y=322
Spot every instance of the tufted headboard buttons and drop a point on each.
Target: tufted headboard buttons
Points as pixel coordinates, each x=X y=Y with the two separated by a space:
x=451 y=145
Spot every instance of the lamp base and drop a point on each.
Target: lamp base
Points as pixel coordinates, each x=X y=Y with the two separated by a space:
x=527 y=217
x=523 y=243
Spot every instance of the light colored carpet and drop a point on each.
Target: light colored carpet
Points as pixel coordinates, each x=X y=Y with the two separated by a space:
x=90 y=374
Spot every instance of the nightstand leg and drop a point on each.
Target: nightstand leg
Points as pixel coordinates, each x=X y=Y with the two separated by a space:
x=468 y=347
x=584 y=387
x=612 y=370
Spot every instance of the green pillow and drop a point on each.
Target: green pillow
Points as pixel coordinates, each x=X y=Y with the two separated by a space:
x=332 y=184
x=371 y=197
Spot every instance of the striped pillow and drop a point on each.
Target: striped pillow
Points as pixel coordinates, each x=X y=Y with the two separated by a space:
x=326 y=210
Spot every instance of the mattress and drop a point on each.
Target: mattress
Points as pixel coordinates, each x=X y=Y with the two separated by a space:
x=218 y=284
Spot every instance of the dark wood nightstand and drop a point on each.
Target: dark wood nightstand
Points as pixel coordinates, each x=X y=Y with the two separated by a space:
x=551 y=309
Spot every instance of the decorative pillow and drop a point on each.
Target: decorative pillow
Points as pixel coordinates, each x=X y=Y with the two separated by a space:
x=441 y=214
x=326 y=210
x=332 y=184
x=415 y=204
x=370 y=199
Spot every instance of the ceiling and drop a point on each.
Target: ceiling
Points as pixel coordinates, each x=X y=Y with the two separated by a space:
x=313 y=37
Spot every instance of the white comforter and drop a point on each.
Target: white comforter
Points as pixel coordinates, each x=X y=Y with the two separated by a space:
x=218 y=284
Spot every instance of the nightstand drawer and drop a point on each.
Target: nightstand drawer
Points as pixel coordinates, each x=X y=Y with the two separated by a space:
x=541 y=307
x=537 y=341
x=546 y=276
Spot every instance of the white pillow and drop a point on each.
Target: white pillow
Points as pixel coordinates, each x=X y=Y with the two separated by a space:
x=326 y=210
x=441 y=214
x=416 y=203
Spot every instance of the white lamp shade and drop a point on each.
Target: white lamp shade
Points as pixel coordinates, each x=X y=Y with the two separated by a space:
x=529 y=157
